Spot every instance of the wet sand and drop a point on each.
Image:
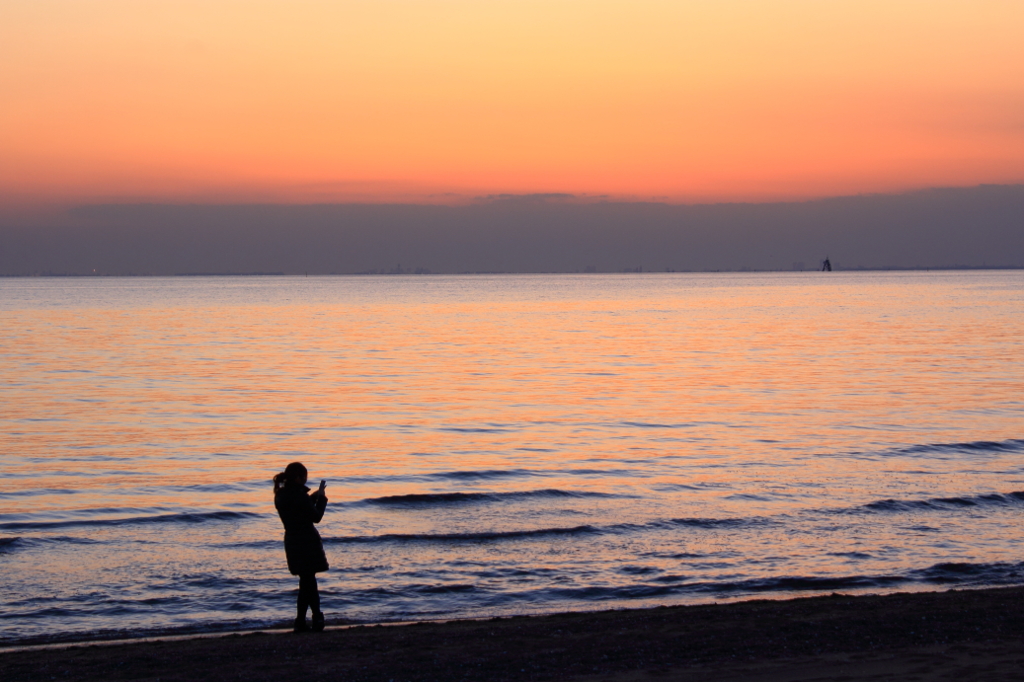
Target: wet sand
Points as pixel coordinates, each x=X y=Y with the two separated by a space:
x=956 y=635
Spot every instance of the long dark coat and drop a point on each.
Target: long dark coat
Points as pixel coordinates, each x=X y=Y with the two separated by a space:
x=302 y=545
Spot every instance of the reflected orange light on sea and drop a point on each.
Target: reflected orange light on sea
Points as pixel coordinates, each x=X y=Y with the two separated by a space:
x=374 y=380
x=506 y=444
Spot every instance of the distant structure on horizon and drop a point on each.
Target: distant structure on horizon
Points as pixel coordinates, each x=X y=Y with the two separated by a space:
x=827 y=265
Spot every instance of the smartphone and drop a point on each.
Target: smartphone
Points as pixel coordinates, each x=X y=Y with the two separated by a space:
x=323 y=484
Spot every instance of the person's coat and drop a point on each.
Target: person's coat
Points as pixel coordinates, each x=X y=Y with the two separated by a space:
x=302 y=545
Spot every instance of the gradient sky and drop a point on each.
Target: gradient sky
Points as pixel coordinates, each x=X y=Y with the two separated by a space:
x=432 y=100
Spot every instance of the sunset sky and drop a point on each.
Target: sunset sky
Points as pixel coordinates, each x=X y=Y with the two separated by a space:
x=443 y=101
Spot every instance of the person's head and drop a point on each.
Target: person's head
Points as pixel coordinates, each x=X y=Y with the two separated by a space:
x=293 y=474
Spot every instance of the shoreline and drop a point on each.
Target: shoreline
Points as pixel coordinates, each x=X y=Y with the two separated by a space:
x=337 y=621
x=754 y=639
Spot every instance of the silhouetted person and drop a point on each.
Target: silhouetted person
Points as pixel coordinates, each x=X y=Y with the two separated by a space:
x=302 y=545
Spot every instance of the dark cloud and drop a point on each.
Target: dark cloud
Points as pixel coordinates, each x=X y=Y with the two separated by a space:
x=539 y=197
x=972 y=227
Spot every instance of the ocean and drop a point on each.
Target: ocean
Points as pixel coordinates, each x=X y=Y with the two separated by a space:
x=502 y=444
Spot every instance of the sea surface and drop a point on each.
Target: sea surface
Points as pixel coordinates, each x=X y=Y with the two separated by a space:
x=502 y=444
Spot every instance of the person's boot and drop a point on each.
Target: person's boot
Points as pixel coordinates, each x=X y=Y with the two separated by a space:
x=300 y=624
x=318 y=621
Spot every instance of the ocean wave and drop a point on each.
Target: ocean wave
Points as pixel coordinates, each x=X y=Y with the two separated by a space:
x=496 y=474
x=953 y=573
x=471 y=475
x=251 y=544
x=87 y=631
x=432 y=499
x=486 y=474
x=185 y=517
x=1010 y=445
x=33 y=492
x=216 y=488
x=476 y=475
x=942 y=503
x=23 y=541
x=483 y=536
x=490 y=536
x=715 y=523
x=649 y=425
x=960 y=574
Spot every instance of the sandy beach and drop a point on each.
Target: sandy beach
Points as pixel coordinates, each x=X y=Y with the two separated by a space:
x=974 y=634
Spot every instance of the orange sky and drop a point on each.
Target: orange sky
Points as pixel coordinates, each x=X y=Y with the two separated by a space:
x=440 y=100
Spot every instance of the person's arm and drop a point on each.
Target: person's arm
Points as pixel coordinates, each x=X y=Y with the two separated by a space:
x=319 y=506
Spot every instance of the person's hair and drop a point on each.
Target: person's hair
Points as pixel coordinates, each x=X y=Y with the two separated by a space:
x=293 y=473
